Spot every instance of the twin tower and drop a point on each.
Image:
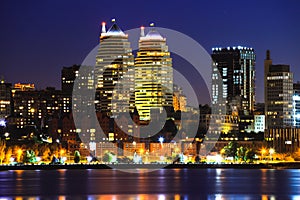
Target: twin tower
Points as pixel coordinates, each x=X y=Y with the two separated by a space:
x=125 y=82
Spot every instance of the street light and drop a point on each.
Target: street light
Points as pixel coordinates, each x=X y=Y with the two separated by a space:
x=263 y=151
x=161 y=139
x=271 y=152
x=2 y=123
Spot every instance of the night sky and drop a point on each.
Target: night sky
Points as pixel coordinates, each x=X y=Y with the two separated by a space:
x=38 y=38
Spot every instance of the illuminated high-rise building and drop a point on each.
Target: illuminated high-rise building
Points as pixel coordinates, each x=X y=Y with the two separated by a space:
x=233 y=80
x=5 y=100
x=296 y=105
x=279 y=95
x=37 y=108
x=79 y=79
x=153 y=74
x=114 y=72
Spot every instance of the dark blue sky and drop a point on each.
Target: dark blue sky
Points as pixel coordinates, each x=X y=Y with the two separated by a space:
x=37 y=38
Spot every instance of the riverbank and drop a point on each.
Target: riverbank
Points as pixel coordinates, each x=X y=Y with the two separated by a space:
x=283 y=165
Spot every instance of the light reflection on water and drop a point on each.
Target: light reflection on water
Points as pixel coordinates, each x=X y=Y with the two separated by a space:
x=164 y=184
x=158 y=197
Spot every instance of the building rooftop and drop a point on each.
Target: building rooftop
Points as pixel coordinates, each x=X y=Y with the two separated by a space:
x=232 y=48
x=114 y=30
x=153 y=34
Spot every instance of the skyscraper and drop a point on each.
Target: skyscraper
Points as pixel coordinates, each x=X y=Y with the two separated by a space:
x=114 y=71
x=279 y=95
x=76 y=80
x=233 y=80
x=296 y=105
x=153 y=74
x=68 y=76
x=5 y=99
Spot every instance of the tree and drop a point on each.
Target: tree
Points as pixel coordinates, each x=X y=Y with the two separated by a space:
x=36 y=148
x=8 y=155
x=105 y=157
x=29 y=157
x=76 y=157
x=46 y=154
x=240 y=153
x=18 y=153
x=249 y=155
x=2 y=150
x=230 y=150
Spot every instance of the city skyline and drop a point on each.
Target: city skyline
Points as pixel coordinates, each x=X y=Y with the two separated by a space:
x=47 y=40
x=149 y=99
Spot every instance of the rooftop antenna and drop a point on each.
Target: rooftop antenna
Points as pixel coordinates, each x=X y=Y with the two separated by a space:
x=103 y=27
x=142 y=31
x=268 y=57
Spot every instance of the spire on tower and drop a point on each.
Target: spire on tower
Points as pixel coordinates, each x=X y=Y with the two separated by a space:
x=103 y=27
x=268 y=57
x=142 y=31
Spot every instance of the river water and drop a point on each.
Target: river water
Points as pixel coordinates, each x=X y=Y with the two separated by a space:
x=161 y=184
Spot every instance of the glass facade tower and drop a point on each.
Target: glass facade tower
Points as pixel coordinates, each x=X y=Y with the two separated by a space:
x=296 y=105
x=279 y=99
x=114 y=72
x=233 y=80
x=153 y=74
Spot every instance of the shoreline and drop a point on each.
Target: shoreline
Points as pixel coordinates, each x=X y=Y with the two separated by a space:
x=286 y=165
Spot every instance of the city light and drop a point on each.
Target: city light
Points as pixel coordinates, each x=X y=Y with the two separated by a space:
x=38 y=159
x=12 y=159
x=2 y=122
x=271 y=151
x=161 y=139
x=89 y=158
x=141 y=151
x=262 y=151
x=62 y=151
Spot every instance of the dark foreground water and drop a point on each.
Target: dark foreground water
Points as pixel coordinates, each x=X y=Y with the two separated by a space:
x=161 y=184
